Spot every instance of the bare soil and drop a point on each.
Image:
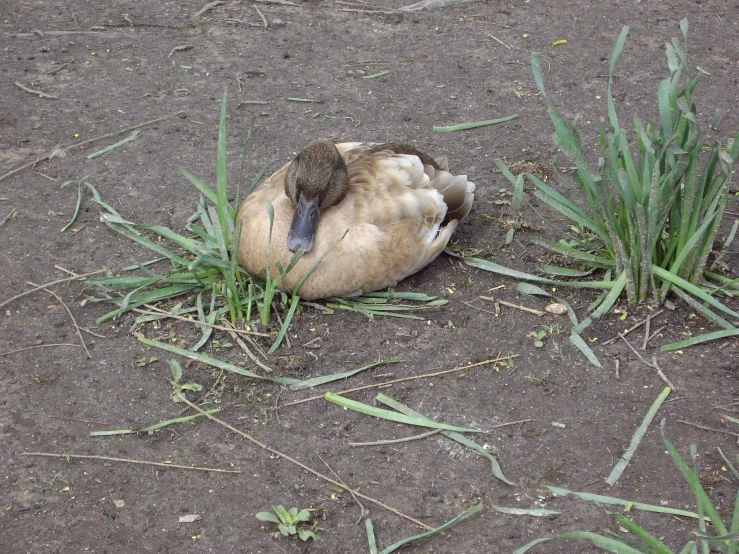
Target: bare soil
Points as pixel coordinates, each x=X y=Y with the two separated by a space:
x=113 y=65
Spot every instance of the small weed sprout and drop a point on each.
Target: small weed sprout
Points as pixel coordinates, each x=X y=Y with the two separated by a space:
x=287 y=522
x=177 y=387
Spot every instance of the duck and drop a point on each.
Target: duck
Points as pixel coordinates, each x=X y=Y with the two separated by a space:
x=364 y=216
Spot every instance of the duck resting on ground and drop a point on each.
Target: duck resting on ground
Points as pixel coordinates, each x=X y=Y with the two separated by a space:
x=397 y=206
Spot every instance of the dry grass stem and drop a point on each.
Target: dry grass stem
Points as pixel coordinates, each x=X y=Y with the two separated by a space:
x=361 y=506
x=412 y=377
x=635 y=326
x=396 y=441
x=127 y=461
x=36 y=92
x=153 y=310
x=9 y=352
x=708 y=428
x=58 y=281
x=74 y=321
x=303 y=466
x=499 y=41
x=88 y=141
x=510 y=305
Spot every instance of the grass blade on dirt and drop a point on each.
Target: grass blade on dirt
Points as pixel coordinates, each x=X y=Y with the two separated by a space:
x=606 y=543
x=474 y=125
x=160 y=425
x=621 y=502
x=366 y=409
x=215 y=362
x=539 y=512
x=448 y=525
x=322 y=380
x=461 y=439
x=636 y=439
x=107 y=149
x=699 y=339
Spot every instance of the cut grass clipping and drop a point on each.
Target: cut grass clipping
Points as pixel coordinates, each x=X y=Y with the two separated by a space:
x=641 y=541
x=654 y=206
x=203 y=263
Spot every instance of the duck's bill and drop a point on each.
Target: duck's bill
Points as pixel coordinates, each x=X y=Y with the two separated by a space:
x=305 y=223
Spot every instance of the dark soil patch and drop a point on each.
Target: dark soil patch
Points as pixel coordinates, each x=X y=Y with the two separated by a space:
x=443 y=69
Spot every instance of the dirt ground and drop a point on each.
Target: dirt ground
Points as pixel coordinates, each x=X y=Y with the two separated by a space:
x=112 y=65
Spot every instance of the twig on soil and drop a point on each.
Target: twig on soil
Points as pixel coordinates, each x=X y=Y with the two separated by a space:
x=301 y=465
x=386 y=383
x=657 y=332
x=253 y=102
x=180 y=48
x=478 y=308
x=662 y=375
x=246 y=350
x=74 y=321
x=646 y=333
x=163 y=313
x=266 y=26
x=93 y=333
x=708 y=428
x=36 y=92
x=74 y=278
x=395 y=441
x=499 y=41
x=209 y=6
x=75 y=419
x=88 y=141
x=143 y=462
x=11 y=214
x=361 y=506
x=433 y=4
x=9 y=352
x=618 y=369
x=523 y=308
x=635 y=326
x=57 y=69
x=279 y=2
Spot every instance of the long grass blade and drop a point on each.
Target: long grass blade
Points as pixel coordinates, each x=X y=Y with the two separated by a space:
x=448 y=525
x=637 y=437
x=366 y=409
x=323 y=379
x=461 y=439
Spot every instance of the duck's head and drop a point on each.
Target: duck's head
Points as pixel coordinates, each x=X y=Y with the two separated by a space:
x=315 y=180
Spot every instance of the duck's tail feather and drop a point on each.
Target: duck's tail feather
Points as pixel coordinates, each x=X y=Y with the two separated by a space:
x=457 y=191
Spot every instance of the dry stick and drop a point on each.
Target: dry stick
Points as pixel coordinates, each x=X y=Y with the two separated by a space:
x=499 y=41
x=385 y=383
x=653 y=366
x=9 y=352
x=646 y=333
x=74 y=321
x=525 y=309
x=74 y=419
x=300 y=465
x=75 y=277
x=93 y=333
x=266 y=26
x=159 y=311
x=36 y=92
x=209 y=6
x=143 y=462
x=618 y=371
x=662 y=375
x=478 y=308
x=657 y=332
x=708 y=428
x=248 y=352
x=636 y=326
x=361 y=506
x=396 y=441
x=78 y=144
